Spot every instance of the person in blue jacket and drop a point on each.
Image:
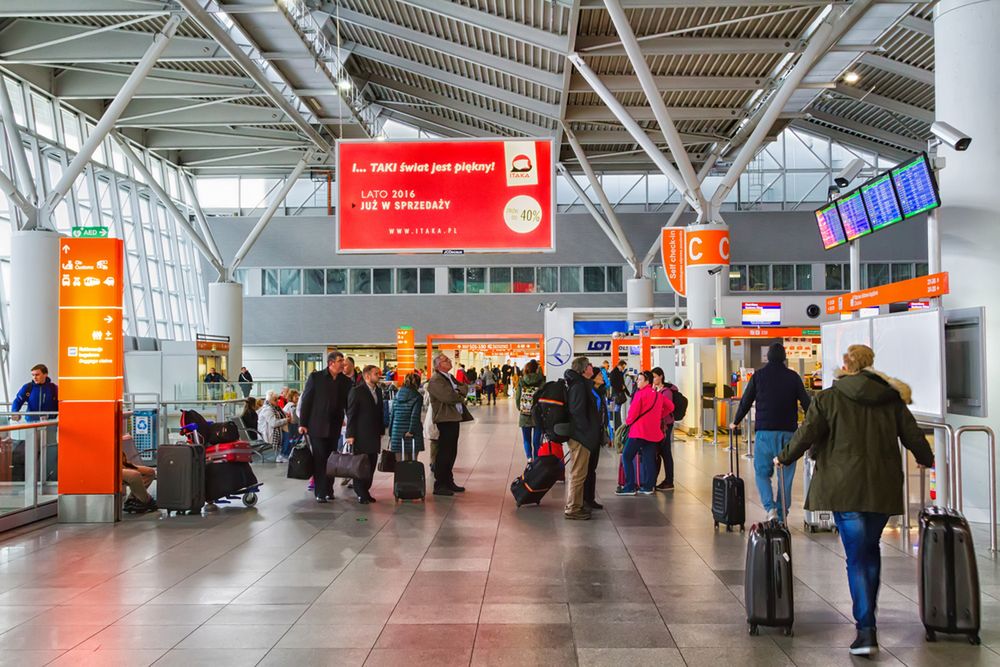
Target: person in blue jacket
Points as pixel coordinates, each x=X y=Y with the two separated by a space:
x=40 y=395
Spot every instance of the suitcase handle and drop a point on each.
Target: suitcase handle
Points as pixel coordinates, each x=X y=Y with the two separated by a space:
x=781 y=492
x=734 y=453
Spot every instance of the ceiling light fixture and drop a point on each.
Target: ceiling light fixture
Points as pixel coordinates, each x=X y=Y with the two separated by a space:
x=852 y=78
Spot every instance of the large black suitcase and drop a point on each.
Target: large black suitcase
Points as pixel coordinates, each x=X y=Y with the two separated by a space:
x=224 y=481
x=409 y=481
x=538 y=477
x=767 y=583
x=180 y=477
x=949 y=576
x=728 y=495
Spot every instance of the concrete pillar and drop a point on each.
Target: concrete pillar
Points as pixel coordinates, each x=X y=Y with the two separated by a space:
x=638 y=294
x=34 y=304
x=225 y=315
x=967 y=93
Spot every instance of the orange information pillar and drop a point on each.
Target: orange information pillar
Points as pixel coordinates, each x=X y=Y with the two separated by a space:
x=91 y=362
x=406 y=353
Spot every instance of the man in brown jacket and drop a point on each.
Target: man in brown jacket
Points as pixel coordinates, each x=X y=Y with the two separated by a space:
x=449 y=410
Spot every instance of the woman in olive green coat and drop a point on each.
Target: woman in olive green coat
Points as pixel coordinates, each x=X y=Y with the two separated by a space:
x=530 y=382
x=854 y=429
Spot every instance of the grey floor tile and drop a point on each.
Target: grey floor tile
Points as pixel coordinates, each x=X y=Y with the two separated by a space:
x=191 y=595
x=213 y=657
x=346 y=614
x=632 y=657
x=291 y=595
x=614 y=612
x=101 y=615
x=524 y=657
x=126 y=637
x=171 y=614
x=703 y=612
x=715 y=636
x=434 y=614
x=37 y=658
x=234 y=636
x=109 y=658
x=330 y=636
x=837 y=657
x=758 y=656
x=521 y=613
x=651 y=634
x=419 y=657
x=314 y=657
x=946 y=655
x=406 y=636
x=527 y=636
x=46 y=637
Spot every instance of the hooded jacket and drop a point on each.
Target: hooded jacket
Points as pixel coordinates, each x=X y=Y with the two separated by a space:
x=38 y=397
x=583 y=416
x=776 y=389
x=528 y=381
x=853 y=429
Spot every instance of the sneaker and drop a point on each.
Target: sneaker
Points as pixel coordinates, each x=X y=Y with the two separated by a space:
x=620 y=491
x=311 y=485
x=866 y=643
x=578 y=515
x=281 y=459
x=645 y=492
x=772 y=515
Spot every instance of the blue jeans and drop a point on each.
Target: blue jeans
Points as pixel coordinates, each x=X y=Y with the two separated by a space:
x=646 y=449
x=860 y=533
x=767 y=445
x=532 y=439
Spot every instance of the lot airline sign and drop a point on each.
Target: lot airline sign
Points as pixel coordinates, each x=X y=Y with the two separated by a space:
x=446 y=196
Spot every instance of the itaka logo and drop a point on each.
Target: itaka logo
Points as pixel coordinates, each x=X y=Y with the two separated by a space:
x=521 y=163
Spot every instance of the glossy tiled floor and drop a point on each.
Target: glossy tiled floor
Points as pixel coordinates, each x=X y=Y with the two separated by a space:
x=460 y=581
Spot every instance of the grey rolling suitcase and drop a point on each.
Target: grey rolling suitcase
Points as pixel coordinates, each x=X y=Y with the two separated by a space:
x=180 y=478
x=814 y=520
x=949 y=591
x=768 y=579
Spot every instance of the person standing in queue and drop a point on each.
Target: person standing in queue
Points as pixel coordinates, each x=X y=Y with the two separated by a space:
x=619 y=394
x=366 y=426
x=246 y=381
x=524 y=398
x=665 y=454
x=449 y=411
x=854 y=429
x=586 y=433
x=590 y=484
x=645 y=420
x=321 y=413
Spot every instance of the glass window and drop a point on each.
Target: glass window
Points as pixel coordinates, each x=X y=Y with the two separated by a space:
x=902 y=272
x=569 y=278
x=427 y=281
x=615 y=280
x=783 y=276
x=760 y=277
x=382 y=281
x=524 y=279
x=878 y=274
x=660 y=283
x=336 y=281
x=834 y=277
x=803 y=277
x=475 y=281
x=921 y=269
x=44 y=121
x=500 y=280
x=361 y=281
x=548 y=279
x=71 y=130
x=270 y=281
x=738 y=278
x=593 y=279
x=312 y=281
x=456 y=281
x=406 y=281
x=291 y=282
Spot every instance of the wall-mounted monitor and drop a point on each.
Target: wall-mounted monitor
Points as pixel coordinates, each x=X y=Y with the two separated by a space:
x=761 y=314
x=831 y=230
x=915 y=185
x=880 y=200
x=853 y=215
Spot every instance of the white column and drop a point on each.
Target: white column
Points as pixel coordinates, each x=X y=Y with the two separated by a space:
x=34 y=304
x=967 y=90
x=225 y=315
x=701 y=287
x=638 y=294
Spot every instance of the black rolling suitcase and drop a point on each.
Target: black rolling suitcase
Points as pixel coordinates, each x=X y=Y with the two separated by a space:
x=949 y=577
x=409 y=482
x=767 y=584
x=538 y=477
x=728 y=495
x=180 y=477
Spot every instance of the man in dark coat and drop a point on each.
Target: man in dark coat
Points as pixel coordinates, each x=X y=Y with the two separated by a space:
x=618 y=391
x=778 y=391
x=586 y=434
x=366 y=426
x=246 y=381
x=321 y=415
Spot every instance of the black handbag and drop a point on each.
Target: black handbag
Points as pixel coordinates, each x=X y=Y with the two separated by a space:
x=349 y=464
x=387 y=461
x=301 y=464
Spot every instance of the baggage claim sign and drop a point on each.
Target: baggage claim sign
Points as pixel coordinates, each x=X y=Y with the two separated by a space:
x=446 y=196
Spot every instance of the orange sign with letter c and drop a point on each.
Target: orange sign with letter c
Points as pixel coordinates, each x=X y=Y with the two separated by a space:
x=707 y=247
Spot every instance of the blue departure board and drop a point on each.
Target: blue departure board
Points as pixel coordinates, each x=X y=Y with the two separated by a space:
x=830 y=228
x=915 y=186
x=853 y=215
x=880 y=199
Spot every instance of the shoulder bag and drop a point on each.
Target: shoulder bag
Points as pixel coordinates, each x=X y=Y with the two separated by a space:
x=348 y=464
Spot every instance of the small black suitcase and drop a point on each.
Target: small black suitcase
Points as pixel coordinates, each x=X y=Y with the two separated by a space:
x=409 y=482
x=728 y=495
x=949 y=577
x=180 y=477
x=538 y=477
x=767 y=583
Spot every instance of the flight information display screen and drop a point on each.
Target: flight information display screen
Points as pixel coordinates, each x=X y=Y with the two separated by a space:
x=880 y=199
x=831 y=230
x=853 y=215
x=916 y=186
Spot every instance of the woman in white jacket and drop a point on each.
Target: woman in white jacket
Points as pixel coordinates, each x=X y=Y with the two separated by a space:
x=271 y=421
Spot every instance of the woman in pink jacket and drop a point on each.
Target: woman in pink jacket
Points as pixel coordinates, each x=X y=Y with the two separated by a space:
x=645 y=420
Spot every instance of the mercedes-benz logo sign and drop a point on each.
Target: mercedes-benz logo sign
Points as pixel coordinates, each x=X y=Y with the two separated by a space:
x=558 y=351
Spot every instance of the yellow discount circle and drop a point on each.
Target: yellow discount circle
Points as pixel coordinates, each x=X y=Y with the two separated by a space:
x=522 y=214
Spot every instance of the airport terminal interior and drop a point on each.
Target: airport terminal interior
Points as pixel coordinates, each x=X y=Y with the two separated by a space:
x=499 y=332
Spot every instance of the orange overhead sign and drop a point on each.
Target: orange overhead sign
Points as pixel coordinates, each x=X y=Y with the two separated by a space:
x=673 y=248
x=924 y=287
x=707 y=247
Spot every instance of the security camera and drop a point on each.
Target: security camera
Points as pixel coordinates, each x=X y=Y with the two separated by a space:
x=552 y=306
x=714 y=271
x=849 y=173
x=949 y=135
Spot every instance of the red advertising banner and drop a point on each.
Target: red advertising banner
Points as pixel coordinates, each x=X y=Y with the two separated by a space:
x=673 y=241
x=463 y=195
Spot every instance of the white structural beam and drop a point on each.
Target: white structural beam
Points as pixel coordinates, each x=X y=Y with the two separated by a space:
x=915 y=24
x=183 y=139
x=594 y=213
x=431 y=122
x=595 y=114
x=168 y=202
x=895 y=67
x=63 y=8
x=111 y=115
x=22 y=173
x=887 y=103
x=8 y=188
x=625 y=83
x=498 y=63
x=103 y=81
x=833 y=27
x=623 y=137
x=687 y=46
x=626 y=119
x=265 y=217
x=663 y=117
x=908 y=143
x=187 y=181
x=849 y=139
x=181 y=113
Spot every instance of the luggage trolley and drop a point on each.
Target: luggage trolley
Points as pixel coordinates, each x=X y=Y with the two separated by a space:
x=225 y=481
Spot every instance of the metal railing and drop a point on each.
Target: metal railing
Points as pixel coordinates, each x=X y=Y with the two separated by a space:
x=991 y=455
x=34 y=472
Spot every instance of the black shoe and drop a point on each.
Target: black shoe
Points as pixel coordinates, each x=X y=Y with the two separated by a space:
x=593 y=505
x=321 y=499
x=443 y=491
x=665 y=486
x=866 y=643
x=456 y=488
x=364 y=501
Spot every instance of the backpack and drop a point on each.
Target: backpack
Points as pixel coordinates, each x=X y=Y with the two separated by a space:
x=680 y=403
x=527 y=399
x=550 y=407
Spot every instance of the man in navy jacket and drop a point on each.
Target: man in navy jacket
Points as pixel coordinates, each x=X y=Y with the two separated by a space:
x=40 y=395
